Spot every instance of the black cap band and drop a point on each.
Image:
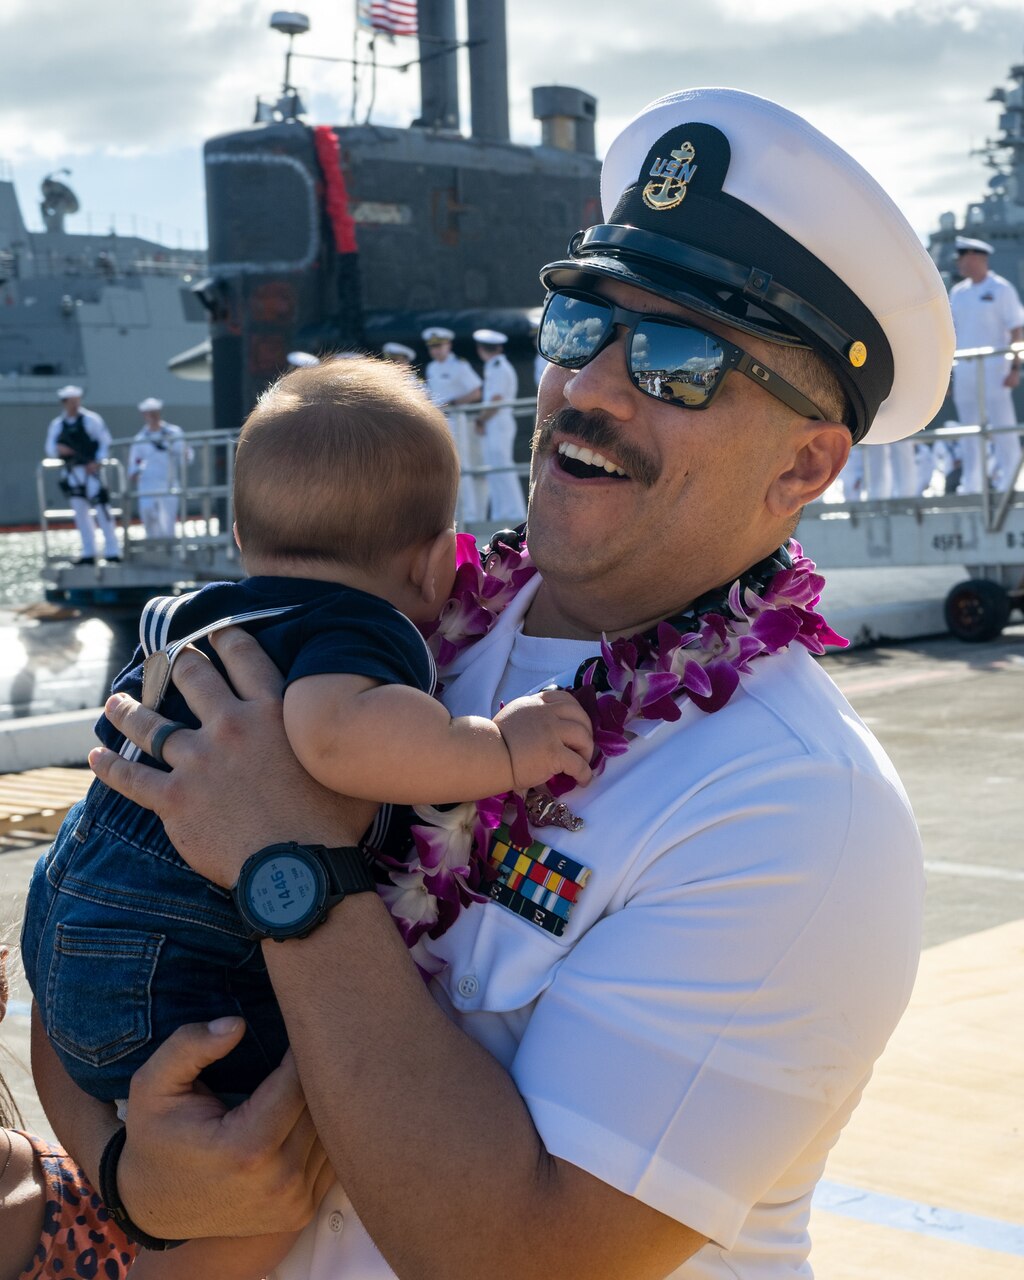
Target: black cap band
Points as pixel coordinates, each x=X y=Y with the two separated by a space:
x=678 y=234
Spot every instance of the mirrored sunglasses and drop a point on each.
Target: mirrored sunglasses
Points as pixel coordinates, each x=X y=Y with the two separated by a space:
x=670 y=360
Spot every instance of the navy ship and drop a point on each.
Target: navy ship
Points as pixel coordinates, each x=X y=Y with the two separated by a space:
x=101 y=311
x=998 y=217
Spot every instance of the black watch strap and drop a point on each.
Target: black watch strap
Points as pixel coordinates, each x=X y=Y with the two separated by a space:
x=348 y=870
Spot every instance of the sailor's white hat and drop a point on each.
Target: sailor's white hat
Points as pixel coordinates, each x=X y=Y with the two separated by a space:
x=302 y=359
x=964 y=244
x=490 y=337
x=150 y=405
x=436 y=333
x=398 y=349
x=66 y=393
x=738 y=209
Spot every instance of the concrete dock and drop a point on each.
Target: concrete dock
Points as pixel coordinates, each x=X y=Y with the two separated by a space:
x=927 y=1182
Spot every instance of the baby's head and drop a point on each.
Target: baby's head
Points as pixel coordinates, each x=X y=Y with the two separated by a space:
x=345 y=470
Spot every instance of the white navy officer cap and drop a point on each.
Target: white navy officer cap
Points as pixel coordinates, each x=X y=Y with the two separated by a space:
x=490 y=337
x=964 y=244
x=398 y=349
x=437 y=334
x=150 y=405
x=66 y=393
x=740 y=210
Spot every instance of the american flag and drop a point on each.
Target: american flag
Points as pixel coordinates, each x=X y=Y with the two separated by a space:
x=396 y=17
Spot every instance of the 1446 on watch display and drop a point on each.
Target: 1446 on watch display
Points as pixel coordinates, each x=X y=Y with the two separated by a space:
x=285 y=890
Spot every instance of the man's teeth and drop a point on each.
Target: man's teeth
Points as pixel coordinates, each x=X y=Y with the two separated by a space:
x=589 y=458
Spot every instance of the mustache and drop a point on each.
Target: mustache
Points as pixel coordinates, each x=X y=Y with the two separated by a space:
x=599 y=431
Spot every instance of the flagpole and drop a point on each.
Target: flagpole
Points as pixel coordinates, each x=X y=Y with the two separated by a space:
x=373 y=76
x=355 y=59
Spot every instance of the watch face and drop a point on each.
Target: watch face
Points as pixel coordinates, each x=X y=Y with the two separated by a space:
x=285 y=892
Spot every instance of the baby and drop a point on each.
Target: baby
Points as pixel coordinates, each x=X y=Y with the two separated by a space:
x=344 y=489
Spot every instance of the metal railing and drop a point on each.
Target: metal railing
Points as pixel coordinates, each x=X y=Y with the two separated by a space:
x=203 y=529
x=523 y=408
x=994 y=503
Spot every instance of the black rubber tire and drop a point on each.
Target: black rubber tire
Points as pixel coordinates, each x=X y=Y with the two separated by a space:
x=977 y=610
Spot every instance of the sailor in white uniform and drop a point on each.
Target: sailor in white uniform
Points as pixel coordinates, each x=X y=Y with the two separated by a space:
x=82 y=439
x=497 y=427
x=398 y=353
x=987 y=312
x=452 y=381
x=156 y=466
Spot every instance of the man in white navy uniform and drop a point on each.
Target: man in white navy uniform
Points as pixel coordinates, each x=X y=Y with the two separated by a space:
x=452 y=381
x=398 y=352
x=497 y=427
x=987 y=312
x=82 y=439
x=653 y=1093
x=156 y=466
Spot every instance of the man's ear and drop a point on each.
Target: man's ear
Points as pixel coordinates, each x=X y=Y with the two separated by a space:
x=819 y=453
x=234 y=531
x=433 y=566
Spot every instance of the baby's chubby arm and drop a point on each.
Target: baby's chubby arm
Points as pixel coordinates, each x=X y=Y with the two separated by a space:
x=397 y=744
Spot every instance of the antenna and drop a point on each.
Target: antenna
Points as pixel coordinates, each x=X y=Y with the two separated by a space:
x=291 y=24
x=58 y=200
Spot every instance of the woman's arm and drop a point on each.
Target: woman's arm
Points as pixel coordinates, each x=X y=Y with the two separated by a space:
x=226 y=1258
x=83 y=1124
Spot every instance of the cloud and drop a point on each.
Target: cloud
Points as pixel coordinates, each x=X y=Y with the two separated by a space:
x=119 y=78
x=900 y=83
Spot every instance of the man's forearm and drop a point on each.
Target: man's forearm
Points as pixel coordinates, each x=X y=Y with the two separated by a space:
x=417 y=1118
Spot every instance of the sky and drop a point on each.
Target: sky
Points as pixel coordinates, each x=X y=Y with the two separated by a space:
x=123 y=92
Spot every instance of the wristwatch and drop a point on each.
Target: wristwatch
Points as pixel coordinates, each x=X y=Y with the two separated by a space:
x=285 y=890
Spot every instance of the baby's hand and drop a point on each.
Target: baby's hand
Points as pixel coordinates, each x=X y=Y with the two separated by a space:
x=546 y=733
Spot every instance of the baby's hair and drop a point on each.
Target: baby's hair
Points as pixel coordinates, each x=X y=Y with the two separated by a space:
x=345 y=461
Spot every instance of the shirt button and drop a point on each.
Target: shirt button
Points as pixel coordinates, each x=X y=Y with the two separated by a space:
x=468 y=986
x=336 y=1221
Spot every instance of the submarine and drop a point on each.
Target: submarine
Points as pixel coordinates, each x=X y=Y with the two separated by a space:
x=331 y=238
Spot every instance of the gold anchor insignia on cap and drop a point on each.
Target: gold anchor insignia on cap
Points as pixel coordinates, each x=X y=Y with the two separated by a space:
x=857 y=354
x=674 y=173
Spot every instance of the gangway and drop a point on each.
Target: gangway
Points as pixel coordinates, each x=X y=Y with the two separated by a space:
x=202 y=550
x=983 y=531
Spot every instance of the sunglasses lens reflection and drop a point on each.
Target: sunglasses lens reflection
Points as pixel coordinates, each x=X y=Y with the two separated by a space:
x=671 y=362
x=572 y=330
x=676 y=364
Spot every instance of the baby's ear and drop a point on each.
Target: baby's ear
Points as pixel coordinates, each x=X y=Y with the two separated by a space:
x=434 y=568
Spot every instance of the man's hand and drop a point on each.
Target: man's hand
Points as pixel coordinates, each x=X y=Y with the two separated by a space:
x=235 y=784
x=546 y=733
x=1012 y=378
x=191 y=1167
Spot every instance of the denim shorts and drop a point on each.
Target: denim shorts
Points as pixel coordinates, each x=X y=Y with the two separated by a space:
x=123 y=943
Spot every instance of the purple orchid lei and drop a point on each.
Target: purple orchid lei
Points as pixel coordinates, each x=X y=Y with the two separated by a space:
x=701 y=655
